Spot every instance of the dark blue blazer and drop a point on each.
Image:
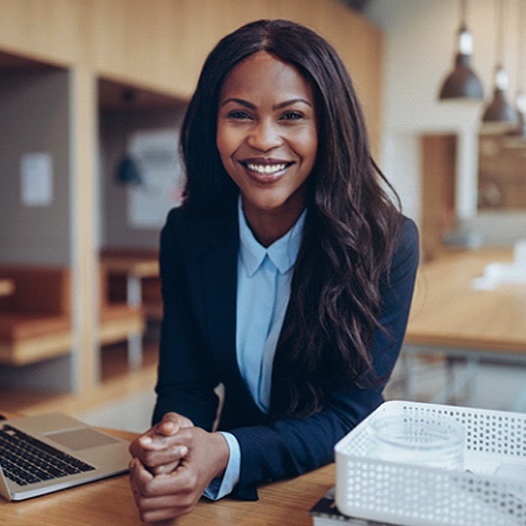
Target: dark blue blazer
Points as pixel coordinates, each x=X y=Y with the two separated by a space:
x=198 y=264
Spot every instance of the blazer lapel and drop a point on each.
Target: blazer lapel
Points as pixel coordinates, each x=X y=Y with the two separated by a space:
x=219 y=280
x=218 y=276
x=219 y=289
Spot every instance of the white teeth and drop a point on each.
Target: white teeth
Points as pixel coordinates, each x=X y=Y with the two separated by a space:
x=266 y=168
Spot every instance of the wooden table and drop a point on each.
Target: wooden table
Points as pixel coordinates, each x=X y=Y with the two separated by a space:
x=450 y=317
x=110 y=501
x=135 y=268
x=7 y=287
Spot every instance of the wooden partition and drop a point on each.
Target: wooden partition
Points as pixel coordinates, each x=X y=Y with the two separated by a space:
x=158 y=46
x=161 y=44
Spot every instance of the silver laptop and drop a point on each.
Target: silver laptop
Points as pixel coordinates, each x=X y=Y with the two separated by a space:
x=41 y=454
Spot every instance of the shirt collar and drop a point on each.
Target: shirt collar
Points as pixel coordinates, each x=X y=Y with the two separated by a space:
x=282 y=253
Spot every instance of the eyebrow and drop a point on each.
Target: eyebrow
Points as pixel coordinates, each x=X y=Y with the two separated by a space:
x=279 y=106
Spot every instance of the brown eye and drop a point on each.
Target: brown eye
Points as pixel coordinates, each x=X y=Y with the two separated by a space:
x=292 y=116
x=238 y=114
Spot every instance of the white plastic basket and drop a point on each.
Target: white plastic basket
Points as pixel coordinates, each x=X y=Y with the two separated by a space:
x=413 y=495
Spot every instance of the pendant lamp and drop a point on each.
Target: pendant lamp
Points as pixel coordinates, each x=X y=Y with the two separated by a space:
x=462 y=83
x=499 y=110
x=128 y=172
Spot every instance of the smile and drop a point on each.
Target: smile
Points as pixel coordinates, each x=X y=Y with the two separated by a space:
x=266 y=169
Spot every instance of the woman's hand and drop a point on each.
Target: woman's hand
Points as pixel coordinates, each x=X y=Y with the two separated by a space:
x=158 y=449
x=168 y=494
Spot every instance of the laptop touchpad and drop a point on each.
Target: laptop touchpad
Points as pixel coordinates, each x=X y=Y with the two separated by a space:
x=83 y=438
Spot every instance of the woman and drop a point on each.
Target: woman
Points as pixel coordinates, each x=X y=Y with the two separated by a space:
x=287 y=276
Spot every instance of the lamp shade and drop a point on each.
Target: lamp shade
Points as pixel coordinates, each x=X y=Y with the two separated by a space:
x=128 y=171
x=462 y=83
x=499 y=110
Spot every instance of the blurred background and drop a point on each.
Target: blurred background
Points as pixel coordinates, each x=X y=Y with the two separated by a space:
x=92 y=94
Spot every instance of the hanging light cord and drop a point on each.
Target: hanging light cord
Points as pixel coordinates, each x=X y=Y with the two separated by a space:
x=521 y=39
x=463 y=13
x=500 y=34
x=465 y=43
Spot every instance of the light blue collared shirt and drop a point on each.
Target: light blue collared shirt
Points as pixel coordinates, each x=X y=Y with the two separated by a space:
x=263 y=289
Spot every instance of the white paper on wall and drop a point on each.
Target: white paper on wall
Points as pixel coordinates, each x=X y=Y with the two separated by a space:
x=36 y=179
x=156 y=154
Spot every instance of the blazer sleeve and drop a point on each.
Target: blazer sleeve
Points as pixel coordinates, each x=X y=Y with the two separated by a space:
x=290 y=446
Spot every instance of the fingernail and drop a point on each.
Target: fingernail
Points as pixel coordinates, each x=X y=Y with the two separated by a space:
x=146 y=440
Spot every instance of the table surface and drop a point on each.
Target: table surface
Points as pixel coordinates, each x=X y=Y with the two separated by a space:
x=110 y=501
x=448 y=311
x=7 y=286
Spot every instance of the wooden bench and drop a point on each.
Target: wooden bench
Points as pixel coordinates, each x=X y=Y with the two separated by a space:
x=36 y=319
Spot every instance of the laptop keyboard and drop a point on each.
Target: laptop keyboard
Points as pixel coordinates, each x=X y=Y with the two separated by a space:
x=26 y=460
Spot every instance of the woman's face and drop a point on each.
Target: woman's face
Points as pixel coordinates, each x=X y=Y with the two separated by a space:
x=267 y=134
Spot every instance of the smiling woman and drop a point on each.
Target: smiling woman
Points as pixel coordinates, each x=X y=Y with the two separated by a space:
x=287 y=276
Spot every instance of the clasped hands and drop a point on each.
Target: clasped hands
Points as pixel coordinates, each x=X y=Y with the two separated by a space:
x=173 y=463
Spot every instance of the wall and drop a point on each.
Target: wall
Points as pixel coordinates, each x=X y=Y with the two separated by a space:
x=420 y=43
x=34 y=117
x=116 y=127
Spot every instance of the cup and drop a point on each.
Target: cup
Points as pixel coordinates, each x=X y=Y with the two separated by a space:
x=426 y=440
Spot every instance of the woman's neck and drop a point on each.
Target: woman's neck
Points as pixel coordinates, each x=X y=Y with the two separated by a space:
x=269 y=226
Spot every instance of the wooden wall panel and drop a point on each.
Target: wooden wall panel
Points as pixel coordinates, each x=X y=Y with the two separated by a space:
x=161 y=44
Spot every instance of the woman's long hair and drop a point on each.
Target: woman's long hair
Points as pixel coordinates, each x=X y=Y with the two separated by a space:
x=352 y=224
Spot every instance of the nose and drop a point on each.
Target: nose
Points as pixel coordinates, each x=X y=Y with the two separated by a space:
x=264 y=135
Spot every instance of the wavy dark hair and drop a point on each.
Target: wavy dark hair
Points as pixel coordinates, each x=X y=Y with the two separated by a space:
x=353 y=214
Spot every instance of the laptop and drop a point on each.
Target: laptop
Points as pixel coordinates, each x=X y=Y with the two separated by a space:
x=51 y=452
